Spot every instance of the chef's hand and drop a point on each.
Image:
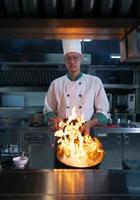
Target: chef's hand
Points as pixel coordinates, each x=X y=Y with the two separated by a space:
x=88 y=125
x=86 y=128
x=55 y=123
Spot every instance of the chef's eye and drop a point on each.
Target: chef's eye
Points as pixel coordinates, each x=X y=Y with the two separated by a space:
x=74 y=58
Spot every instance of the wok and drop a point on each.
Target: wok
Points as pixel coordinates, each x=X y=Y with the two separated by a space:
x=75 y=164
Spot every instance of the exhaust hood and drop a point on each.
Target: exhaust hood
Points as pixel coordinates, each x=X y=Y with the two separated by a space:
x=130 y=47
x=34 y=58
x=53 y=59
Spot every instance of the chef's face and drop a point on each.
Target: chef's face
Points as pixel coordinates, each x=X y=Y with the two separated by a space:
x=73 y=61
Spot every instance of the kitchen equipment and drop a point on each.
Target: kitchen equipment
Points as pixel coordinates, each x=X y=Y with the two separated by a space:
x=74 y=147
x=109 y=96
x=37 y=143
x=122 y=103
x=131 y=102
x=10 y=140
x=73 y=163
x=20 y=161
x=10 y=121
x=37 y=120
x=59 y=165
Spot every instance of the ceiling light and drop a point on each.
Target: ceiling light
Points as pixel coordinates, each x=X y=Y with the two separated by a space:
x=115 y=56
x=86 y=40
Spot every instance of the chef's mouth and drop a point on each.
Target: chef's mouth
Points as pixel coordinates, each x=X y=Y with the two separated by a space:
x=73 y=67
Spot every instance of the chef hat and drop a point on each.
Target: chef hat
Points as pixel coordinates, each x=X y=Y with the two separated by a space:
x=71 y=46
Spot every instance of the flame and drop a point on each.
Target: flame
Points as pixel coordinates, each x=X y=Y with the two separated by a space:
x=75 y=148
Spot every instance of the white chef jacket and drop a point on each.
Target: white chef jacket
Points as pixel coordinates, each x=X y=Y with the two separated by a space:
x=87 y=94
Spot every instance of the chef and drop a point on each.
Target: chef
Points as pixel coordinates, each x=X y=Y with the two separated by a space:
x=76 y=89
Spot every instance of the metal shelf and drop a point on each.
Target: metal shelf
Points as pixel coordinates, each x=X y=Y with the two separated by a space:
x=122 y=86
x=44 y=89
x=23 y=89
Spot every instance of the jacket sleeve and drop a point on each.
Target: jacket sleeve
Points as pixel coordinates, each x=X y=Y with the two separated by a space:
x=50 y=103
x=101 y=104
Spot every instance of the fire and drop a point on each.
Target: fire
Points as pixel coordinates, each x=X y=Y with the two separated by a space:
x=74 y=147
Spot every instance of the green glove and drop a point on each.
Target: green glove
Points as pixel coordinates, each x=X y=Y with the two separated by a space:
x=101 y=117
x=47 y=116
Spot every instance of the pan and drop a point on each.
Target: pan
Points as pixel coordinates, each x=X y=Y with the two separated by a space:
x=79 y=161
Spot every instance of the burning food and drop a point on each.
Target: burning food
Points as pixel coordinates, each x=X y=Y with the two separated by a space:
x=74 y=147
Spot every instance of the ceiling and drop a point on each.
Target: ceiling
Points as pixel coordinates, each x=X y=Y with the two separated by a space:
x=55 y=19
x=30 y=29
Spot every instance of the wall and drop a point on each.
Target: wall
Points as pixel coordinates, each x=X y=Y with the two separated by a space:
x=30 y=98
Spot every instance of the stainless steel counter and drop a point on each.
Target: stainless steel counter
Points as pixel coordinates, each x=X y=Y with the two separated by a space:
x=95 y=129
x=69 y=184
x=116 y=130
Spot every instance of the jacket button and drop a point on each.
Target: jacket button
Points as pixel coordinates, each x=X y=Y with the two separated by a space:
x=68 y=107
x=80 y=95
x=80 y=107
x=79 y=83
x=68 y=95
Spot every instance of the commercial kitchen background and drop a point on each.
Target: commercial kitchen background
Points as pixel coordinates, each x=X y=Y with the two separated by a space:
x=31 y=57
x=31 y=50
x=28 y=66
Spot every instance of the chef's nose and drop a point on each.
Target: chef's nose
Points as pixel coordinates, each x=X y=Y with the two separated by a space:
x=71 y=61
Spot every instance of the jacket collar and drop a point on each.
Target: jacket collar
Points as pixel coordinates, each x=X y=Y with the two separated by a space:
x=77 y=77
